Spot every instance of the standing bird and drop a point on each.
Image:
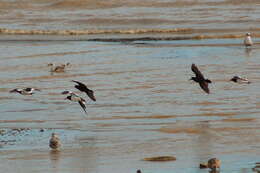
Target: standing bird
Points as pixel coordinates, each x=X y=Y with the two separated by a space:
x=214 y=163
x=59 y=68
x=74 y=97
x=240 y=80
x=248 y=40
x=200 y=78
x=24 y=91
x=83 y=88
x=54 y=142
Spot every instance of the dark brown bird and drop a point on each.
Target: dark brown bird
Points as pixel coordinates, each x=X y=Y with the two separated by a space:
x=200 y=79
x=83 y=88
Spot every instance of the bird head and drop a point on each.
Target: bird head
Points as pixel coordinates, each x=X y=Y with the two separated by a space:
x=54 y=135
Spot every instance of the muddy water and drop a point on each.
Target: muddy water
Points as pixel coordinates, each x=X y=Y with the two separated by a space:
x=146 y=106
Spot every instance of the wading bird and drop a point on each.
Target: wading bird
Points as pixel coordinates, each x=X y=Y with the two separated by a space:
x=54 y=142
x=248 y=40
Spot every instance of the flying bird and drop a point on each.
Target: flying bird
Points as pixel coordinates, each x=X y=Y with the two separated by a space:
x=54 y=142
x=24 y=91
x=200 y=79
x=75 y=98
x=248 y=40
x=83 y=88
x=240 y=80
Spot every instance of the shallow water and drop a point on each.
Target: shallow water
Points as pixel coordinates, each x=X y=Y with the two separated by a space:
x=146 y=106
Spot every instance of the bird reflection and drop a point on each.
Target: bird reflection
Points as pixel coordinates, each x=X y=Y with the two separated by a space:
x=54 y=158
x=214 y=171
x=248 y=51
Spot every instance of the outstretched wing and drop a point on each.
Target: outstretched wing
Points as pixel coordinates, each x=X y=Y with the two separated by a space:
x=198 y=74
x=82 y=87
x=204 y=86
x=90 y=93
x=82 y=104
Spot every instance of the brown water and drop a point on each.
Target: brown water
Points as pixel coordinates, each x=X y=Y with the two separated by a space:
x=146 y=106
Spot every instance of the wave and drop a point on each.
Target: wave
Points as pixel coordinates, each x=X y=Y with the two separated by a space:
x=177 y=34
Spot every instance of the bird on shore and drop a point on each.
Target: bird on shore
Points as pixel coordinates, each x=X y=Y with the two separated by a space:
x=138 y=171
x=199 y=78
x=54 y=142
x=248 y=40
x=59 y=68
x=75 y=98
x=214 y=163
x=24 y=91
x=83 y=88
x=240 y=80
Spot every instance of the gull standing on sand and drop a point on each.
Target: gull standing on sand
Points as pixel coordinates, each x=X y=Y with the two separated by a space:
x=24 y=91
x=200 y=79
x=248 y=40
x=54 y=142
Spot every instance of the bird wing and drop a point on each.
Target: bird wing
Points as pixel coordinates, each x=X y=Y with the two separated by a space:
x=198 y=74
x=90 y=93
x=82 y=104
x=80 y=86
x=204 y=86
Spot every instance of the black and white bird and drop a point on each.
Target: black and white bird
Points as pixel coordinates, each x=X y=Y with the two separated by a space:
x=54 y=142
x=199 y=78
x=75 y=98
x=248 y=40
x=83 y=88
x=240 y=80
x=24 y=91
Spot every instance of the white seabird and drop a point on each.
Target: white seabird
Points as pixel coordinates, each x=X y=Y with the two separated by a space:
x=248 y=40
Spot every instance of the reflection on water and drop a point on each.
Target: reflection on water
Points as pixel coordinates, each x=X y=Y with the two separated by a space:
x=55 y=159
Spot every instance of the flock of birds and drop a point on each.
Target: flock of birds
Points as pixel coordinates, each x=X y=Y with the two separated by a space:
x=55 y=143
